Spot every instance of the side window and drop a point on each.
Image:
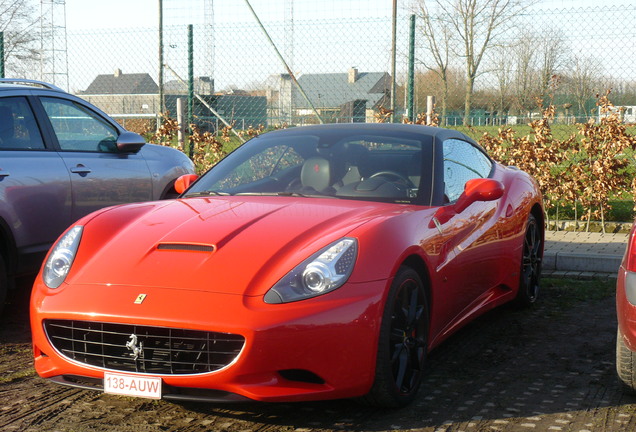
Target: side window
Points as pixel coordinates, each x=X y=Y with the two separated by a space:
x=77 y=128
x=462 y=162
x=18 y=129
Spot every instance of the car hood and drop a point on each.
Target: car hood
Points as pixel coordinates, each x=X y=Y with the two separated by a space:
x=233 y=245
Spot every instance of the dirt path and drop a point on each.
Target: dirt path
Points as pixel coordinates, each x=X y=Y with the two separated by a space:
x=550 y=368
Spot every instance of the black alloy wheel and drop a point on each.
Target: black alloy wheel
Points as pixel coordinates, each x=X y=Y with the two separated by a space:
x=531 y=261
x=403 y=343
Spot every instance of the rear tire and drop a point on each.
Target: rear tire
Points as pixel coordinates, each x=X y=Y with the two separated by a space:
x=531 y=262
x=4 y=284
x=403 y=343
x=625 y=364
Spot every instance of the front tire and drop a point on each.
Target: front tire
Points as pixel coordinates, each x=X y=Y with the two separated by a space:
x=625 y=364
x=531 y=261
x=403 y=343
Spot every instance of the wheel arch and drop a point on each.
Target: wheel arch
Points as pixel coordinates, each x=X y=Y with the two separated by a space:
x=7 y=247
x=539 y=215
x=418 y=264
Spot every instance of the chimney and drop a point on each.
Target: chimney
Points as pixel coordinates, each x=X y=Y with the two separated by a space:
x=117 y=73
x=353 y=75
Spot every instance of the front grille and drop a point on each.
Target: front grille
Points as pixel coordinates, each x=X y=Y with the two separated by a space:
x=145 y=349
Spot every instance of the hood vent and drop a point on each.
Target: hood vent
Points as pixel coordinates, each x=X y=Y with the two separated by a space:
x=189 y=247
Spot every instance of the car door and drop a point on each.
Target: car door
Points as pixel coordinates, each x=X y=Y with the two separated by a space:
x=35 y=187
x=471 y=270
x=100 y=175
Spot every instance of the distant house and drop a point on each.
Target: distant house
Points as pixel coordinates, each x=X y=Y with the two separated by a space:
x=338 y=97
x=202 y=85
x=240 y=107
x=124 y=94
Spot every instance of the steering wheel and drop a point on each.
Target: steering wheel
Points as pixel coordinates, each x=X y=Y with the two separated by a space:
x=393 y=175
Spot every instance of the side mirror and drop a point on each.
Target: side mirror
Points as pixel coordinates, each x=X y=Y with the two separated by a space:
x=130 y=142
x=184 y=182
x=479 y=189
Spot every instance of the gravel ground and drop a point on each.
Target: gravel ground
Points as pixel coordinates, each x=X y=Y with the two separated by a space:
x=548 y=368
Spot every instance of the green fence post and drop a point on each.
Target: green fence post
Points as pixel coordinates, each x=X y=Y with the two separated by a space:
x=411 y=82
x=162 y=108
x=190 y=86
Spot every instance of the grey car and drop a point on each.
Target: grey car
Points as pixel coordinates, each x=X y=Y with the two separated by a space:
x=60 y=159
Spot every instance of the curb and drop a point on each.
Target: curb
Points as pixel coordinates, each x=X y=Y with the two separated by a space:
x=581 y=254
x=579 y=262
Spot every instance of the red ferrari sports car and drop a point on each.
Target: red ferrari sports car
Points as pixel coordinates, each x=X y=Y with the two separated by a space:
x=315 y=262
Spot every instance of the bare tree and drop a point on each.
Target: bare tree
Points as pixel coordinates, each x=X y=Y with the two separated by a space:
x=447 y=93
x=529 y=67
x=477 y=24
x=524 y=56
x=553 y=58
x=503 y=71
x=438 y=39
x=585 y=80
x=19 y=20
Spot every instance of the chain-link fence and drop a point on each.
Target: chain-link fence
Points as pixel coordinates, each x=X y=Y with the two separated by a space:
x=300 y=62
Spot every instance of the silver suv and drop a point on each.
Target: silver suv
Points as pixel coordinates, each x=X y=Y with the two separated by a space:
x=60 y=159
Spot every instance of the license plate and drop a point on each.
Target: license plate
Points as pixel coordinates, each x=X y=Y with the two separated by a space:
x=132 y=385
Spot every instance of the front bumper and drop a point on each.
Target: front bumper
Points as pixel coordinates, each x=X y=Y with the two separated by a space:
x=321 y=348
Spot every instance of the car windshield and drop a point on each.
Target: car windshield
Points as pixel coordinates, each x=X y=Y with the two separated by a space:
x=353 y=165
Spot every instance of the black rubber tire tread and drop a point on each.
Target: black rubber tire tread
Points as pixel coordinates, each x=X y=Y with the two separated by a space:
x=384 y=393
x=625 y=364
x=524 y=299
x=4 y=284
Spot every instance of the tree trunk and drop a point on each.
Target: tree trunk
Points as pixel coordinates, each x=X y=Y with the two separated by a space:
x=442 y=121
x=468 y=100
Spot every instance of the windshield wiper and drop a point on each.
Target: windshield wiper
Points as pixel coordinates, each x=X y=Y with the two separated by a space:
x=296 y=194
x=285 y=194
x=206 y=193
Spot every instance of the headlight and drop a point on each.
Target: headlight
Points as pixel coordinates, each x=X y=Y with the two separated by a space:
x=61 y=258
x=324 y=271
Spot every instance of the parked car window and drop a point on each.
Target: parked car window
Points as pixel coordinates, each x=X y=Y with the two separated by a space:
x=462 y=162
x=77 y=128
x=18 y=129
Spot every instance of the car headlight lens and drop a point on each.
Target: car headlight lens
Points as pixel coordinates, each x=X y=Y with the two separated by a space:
x=61 y=258
x=324 y=271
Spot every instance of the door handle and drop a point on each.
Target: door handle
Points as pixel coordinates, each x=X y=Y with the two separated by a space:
x=4 y=174
x=80 y=169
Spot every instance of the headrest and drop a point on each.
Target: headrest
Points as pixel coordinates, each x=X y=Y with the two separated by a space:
x=414 y=168
x=316 y=173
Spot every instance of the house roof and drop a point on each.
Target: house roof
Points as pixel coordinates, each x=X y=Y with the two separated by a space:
x=332 y=90
x=120 y=83
x=202 y=85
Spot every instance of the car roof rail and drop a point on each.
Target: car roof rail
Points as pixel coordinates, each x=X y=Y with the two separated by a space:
x=30 y=82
